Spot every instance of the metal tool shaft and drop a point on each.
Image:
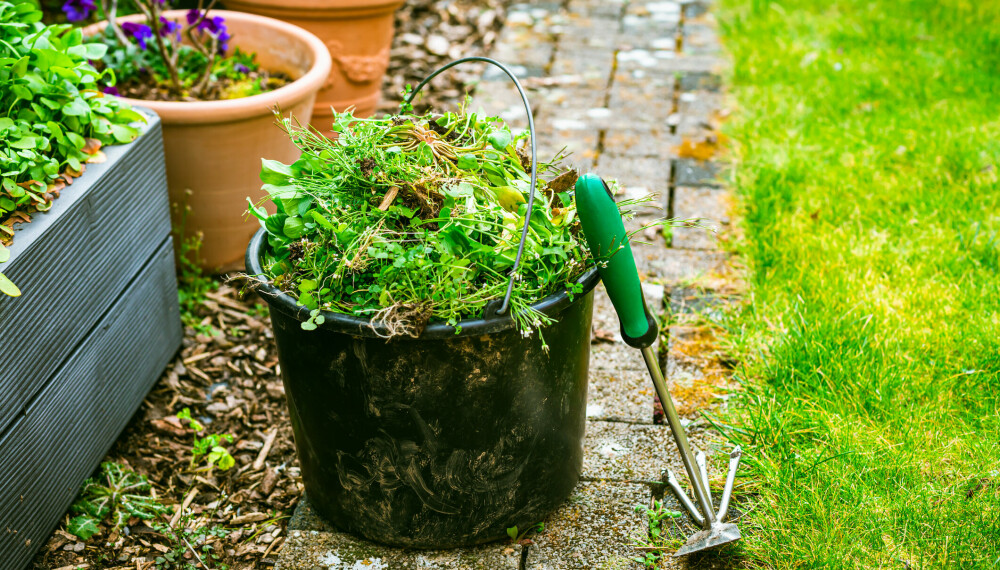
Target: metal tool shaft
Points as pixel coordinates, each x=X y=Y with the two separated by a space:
x=674 y=421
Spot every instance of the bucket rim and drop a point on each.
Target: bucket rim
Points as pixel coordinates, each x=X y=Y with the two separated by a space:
x=550 y=306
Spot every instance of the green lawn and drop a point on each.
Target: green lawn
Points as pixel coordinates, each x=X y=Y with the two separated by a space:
x=867 y=139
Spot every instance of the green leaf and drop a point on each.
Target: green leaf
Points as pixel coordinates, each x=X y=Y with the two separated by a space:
x=294 y=227
x=76 y=108
x=320 y=219
x=275 y=224
x=22 y=92
x=95 y=51
x=512 y=532
x=6 y=123
x=499 y=139
x=274 y=172
x=4 y=254
x=25 y=143
x=468 y=162
x=124 y=133
x=226 y=461
x=126 y=114
x=83 y=526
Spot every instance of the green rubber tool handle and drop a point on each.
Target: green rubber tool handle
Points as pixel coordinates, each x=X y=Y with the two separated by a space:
x=602 y=226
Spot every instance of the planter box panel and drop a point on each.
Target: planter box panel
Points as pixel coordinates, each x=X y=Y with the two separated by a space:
x=72 y=262
x=70 y=426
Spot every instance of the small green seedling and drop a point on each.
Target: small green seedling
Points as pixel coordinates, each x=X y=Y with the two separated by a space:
x=207 y=449
x=655 y=516
x=516 y=536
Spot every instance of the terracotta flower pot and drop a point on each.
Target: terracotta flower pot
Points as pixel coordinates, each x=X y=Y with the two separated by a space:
x=358 y=34
x=213 y=148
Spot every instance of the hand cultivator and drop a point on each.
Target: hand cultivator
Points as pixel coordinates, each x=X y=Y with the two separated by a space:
x=605 y=232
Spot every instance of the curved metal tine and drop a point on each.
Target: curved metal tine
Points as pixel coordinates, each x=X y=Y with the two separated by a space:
x=727 y=493
x=684 y=500
x=703 y=469
x=534 y=162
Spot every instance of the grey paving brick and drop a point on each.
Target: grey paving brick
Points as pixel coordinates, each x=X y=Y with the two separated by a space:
x=708 y=205
x=681 y=62
x=620 y=388
x=692 y=172
x=577 y=106
x=695 y=9
x=308 y=550
x=684 y=301
x=697 y=109
x=653 y=62
x=628 y=452
x=580 y=143
x=591 y=63
x=639 y=177
x=638 y=98
x=655 y=8
x=624 y=396
x=501 y=99
x=595 y=529
x=673 y=266
x=700 y=81
x=647 y=174
x=700 y=39
x=604 y=9
x=652 y=141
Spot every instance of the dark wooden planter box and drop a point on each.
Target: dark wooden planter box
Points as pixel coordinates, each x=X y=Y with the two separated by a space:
x=95 y=325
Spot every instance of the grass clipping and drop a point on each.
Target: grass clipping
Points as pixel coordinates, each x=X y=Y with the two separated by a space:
x=408 y=220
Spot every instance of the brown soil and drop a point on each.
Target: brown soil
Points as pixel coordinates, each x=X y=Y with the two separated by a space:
x=220 y=90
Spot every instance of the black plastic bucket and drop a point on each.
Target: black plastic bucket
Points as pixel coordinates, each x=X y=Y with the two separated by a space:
x=440 y=441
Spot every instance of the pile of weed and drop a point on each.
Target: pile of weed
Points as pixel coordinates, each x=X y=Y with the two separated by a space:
x=410 y=219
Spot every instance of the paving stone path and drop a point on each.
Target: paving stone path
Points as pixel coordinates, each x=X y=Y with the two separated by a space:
x=621 y=84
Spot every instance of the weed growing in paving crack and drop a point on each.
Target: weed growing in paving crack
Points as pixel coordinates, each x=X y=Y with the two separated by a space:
x=657 y=541
x=521 y=539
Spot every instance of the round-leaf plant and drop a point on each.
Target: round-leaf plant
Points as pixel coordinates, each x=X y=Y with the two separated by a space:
x=54 y=117
x=410 y=219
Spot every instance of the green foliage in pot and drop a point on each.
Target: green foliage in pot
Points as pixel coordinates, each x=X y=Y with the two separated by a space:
x=170 y=58
x=54 y=118
x=409 y=219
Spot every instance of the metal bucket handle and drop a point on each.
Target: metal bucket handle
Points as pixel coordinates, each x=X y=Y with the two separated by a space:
x=534 y=167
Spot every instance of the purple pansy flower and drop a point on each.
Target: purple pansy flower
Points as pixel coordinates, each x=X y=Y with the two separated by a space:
x=170 y=27
x=140 y=32
x=78 y=10
x=240 y=68
x=215 y=26
x=110 y=90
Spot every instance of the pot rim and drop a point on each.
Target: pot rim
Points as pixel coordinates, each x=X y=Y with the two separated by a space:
x=285 y=97
x=324 y=9
x=550 y=306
